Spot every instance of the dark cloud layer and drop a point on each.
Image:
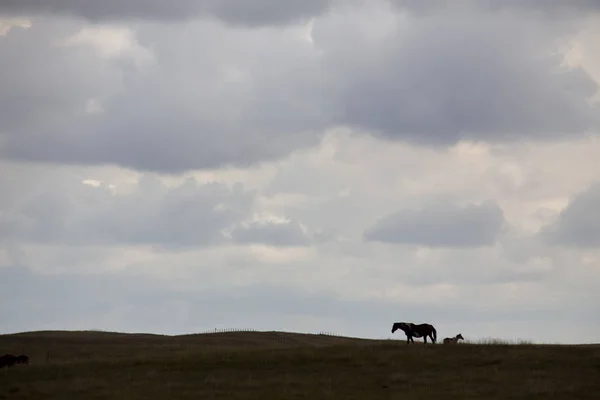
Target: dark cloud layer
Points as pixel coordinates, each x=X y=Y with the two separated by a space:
x=247 y=12
x=261 y=94
x=441 y=225
x=544 y=8
x=267 y=12
x=440 y=79
x=181 y=112
x=578 y=225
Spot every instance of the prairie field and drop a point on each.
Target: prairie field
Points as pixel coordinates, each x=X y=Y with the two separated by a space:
x=278 y=365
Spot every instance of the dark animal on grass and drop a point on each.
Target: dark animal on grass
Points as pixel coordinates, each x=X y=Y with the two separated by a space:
x=22 y=359
x=454 y=339
x=7 y=360
x=416 y=331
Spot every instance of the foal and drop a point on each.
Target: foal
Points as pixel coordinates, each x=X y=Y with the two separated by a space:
x=454 y=339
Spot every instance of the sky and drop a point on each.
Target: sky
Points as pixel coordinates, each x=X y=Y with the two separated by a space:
x=307 y=165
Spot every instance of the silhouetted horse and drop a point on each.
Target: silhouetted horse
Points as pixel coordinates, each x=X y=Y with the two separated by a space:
x=22 y=359
x=416 y=330
x=7 y=360
x=454 y=339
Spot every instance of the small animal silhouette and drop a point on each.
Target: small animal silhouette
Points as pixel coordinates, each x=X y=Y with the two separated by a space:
x=7 y=360
x=454 y=339
x=22 y=359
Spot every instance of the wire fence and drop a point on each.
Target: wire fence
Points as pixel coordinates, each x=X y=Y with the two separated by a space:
x=236 y=330
x=228 y=330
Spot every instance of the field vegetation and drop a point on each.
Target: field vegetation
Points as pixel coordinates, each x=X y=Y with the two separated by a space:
x=277 y=365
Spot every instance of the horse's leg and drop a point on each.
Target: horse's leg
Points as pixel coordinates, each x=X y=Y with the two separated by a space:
x=425 y=338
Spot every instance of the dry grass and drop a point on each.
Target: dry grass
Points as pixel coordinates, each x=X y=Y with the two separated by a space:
x=271 y=365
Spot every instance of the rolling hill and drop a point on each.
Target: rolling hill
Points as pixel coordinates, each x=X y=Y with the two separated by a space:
x=276 y=365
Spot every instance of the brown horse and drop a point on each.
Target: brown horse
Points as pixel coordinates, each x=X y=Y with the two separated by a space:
x=454 y=339
x=416 y=330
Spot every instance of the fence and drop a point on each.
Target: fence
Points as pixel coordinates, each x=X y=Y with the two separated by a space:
x=228 y=330
x=233 y=330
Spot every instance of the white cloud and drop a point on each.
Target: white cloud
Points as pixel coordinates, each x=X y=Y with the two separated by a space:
x=111 y=42
x=6 y=24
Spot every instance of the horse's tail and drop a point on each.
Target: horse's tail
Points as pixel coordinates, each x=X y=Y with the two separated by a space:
x=434 y=333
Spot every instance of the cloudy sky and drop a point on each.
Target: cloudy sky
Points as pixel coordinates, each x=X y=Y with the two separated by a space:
x=301 y=165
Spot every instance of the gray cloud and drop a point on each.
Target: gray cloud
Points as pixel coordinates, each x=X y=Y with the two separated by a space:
x=441 y=225
x=190 y=214
x=278 y=234
x=262 y=94
x=452 y=76
x=178 y=113
x=59 y=209
x=544 y=8
x=247 y=12
x=578 y=225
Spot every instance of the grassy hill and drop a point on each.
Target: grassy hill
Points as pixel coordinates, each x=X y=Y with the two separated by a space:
x=280 y=365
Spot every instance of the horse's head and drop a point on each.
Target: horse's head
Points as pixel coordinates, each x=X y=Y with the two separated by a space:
x=459 y=336
x=398 y=325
